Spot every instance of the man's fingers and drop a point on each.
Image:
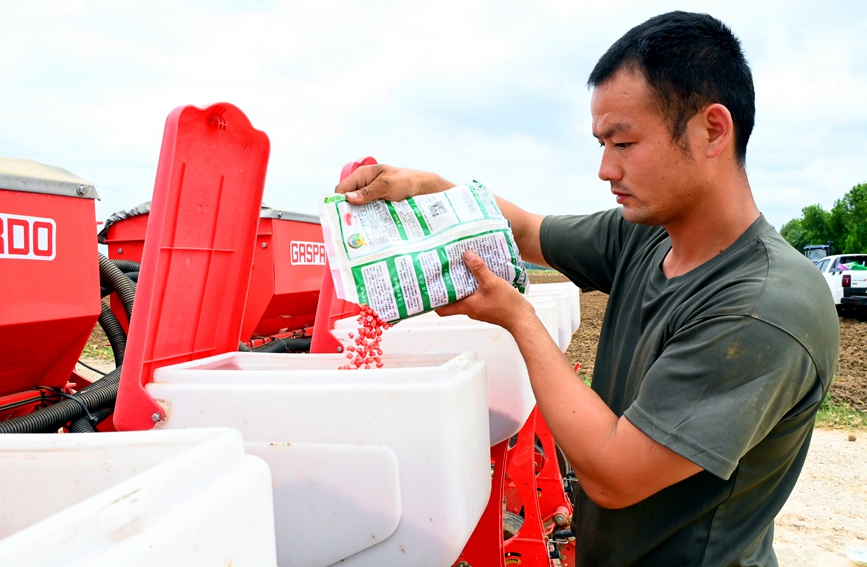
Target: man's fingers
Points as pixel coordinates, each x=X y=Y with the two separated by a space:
x=477 y=266
x=452 y=308
x=357 y=188
x=380 y=181
x=378 y=188
x=464 y=306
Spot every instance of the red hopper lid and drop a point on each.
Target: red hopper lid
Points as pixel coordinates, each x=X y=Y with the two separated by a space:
x=198 y=250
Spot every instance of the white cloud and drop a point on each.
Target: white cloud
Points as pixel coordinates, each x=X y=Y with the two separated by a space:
x=484 y=89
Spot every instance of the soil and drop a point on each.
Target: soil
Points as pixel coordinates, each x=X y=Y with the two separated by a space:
x=97 y=340
x=851 y=383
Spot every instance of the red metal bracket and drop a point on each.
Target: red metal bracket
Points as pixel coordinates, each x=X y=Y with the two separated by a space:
x=485 y=547
x=530 y=545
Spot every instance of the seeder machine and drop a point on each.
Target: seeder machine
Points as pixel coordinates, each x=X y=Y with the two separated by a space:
x=227 y=433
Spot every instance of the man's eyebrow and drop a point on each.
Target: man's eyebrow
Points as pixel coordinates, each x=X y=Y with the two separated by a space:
x=617 y=127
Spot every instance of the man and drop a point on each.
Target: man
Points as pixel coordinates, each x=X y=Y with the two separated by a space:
x=719 y=341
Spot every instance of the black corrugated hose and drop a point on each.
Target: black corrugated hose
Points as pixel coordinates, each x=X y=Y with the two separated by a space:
x=114 y=332
x=126 y=266
x=85 y=425
x=98 y=395
x=112 y=278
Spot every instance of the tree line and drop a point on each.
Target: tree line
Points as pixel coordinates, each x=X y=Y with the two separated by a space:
x=845 y=225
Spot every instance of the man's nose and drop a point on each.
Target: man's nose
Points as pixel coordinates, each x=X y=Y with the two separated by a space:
x=609 y=170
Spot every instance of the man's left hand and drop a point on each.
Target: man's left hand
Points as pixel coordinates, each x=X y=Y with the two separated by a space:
x=496 y=301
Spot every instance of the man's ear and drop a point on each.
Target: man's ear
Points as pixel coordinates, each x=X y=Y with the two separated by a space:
x=720 y=129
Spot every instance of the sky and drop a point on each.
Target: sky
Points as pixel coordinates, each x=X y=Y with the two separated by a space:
x=486 y=90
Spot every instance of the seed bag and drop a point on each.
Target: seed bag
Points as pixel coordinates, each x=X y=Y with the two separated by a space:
x=404 y=258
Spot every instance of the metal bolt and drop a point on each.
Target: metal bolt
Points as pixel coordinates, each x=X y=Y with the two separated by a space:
x=559 y=519
x=120 y=250
x=279 y=214
x=155 y=418
x=463 y=564
x=81 y=190
x=340 y=349
x=264 y=245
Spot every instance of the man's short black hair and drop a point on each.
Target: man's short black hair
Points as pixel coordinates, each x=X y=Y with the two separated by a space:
x=690 y=61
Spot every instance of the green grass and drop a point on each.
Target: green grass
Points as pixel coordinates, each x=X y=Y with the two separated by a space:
x=102 y=353
x=540 y=272
x=840 y=415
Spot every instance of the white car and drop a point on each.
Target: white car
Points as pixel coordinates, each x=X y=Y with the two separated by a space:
x=848 y=286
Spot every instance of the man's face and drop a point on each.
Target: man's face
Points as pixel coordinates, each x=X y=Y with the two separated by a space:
x=650 y=175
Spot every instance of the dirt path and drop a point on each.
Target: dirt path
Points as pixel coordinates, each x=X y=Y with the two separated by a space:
x=827 y=512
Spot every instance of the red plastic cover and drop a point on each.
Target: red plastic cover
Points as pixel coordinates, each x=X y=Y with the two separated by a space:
x=198 y=250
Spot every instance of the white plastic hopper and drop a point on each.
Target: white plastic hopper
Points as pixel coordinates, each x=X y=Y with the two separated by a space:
x=134 y=499
x=548 y=312
x=574 y=298
x=510 y=396
x=371 y=467
x=565 y=300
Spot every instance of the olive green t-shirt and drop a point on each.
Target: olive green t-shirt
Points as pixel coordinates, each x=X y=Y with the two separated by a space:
x=725 y=365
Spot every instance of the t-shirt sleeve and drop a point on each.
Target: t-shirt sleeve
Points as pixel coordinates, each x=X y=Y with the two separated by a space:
x=719 y=387
x=584 y=248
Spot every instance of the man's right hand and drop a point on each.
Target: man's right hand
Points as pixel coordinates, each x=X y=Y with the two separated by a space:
x=381 y=181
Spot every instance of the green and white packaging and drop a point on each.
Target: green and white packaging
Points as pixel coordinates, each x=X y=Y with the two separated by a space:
x=404 y=258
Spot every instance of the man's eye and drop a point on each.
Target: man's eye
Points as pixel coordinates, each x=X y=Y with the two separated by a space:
x=623 y=145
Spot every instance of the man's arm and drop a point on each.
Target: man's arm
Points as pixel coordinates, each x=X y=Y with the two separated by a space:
x=382 y=181
x=527 y=228
x=616 y=463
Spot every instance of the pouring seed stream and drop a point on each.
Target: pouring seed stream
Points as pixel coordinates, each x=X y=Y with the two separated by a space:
x=366 y=350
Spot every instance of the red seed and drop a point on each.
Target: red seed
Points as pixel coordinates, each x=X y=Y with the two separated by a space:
x=367 y=339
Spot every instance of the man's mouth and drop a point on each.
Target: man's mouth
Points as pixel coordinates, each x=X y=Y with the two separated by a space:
x=620 y=196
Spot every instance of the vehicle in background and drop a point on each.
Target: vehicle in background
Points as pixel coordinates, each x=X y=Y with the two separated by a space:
x=816 y=252
x=846 y=275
